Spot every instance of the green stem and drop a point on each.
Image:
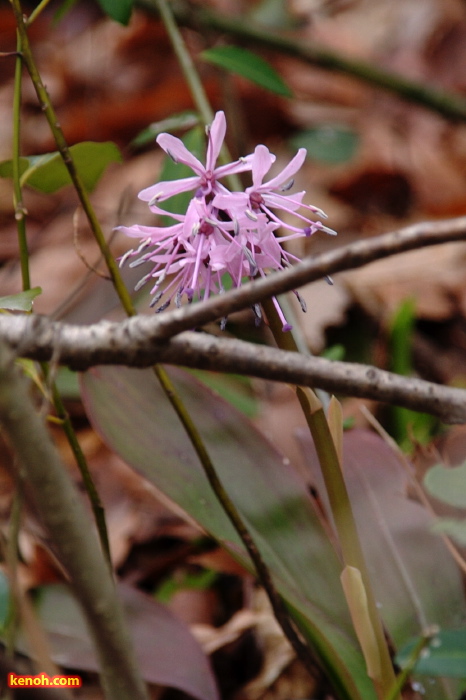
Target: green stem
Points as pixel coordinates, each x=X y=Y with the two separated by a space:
x=448 y=105
x=20 y=211
x=24 y=258
x=403 y=676
x=93 y=494
x=263 y=573
x=192 y=77
x=62 y=146
x=36 y=12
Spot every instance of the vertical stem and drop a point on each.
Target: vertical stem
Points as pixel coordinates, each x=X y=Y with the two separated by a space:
x=20 y=211
x=263 y=573
x=186 y=63
x=93 y=494
x=62 y=146
x=20 y=214
x=339 y=503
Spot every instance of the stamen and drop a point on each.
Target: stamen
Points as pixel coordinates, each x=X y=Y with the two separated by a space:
x=288 y=186
x=142 y=282
x=257 y=311
x=165 y=305
x=302 y=303
x=155 y=198
x=125 y=257
x=171 y=156
x=156 y=298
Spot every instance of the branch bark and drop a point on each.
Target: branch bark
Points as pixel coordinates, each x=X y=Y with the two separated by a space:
x=310 y=269
x=131 y=343
x=49 y=488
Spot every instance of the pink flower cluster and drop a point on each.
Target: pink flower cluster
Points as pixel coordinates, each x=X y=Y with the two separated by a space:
x=222 y=232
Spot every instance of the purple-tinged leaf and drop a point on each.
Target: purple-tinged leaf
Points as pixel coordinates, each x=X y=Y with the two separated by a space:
x=167 y=653
x=131 y=413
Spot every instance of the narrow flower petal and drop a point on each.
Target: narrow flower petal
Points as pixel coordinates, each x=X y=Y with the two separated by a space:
x=287 y=172
x=176 y=149
x=261 y=163
x=164 y=190
x=215 y=136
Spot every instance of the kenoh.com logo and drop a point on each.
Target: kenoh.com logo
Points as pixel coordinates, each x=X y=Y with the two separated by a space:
x=44 y=681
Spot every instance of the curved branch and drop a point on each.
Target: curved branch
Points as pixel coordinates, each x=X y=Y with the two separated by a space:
x=129 y=343
x=310 y=269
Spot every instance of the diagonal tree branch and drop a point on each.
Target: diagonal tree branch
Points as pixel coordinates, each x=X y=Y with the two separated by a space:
x=129 y=343
x=347 y=257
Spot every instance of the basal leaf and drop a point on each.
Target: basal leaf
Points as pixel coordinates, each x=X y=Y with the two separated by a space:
x=167 y=653
x=22 y=301
x=249 y=65
x=131 y=413
x=448 y=484
x=416 y=581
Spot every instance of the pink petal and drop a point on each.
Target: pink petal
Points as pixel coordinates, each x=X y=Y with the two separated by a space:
x=164 y=190
x=261 y=164
x=215 y=140
x=288 y=172
x=238 y=166
x=179 y=153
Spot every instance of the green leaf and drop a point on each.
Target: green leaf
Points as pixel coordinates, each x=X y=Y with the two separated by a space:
x=448 y=484
x=183 y=120
x=119 y=10
x=4 y=600
x=249 y=65
x=234 y=388
x=451 y=527
x=274 y=501
x=47 y=173
x=327 y=143
x=63 y=10
x=445 y=655
x=193 y=581
x=22 y=301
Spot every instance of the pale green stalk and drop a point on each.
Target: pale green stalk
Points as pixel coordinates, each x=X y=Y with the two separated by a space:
x=20 y=211
x=190 y=73
x=340 y=504
x=37 y=10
